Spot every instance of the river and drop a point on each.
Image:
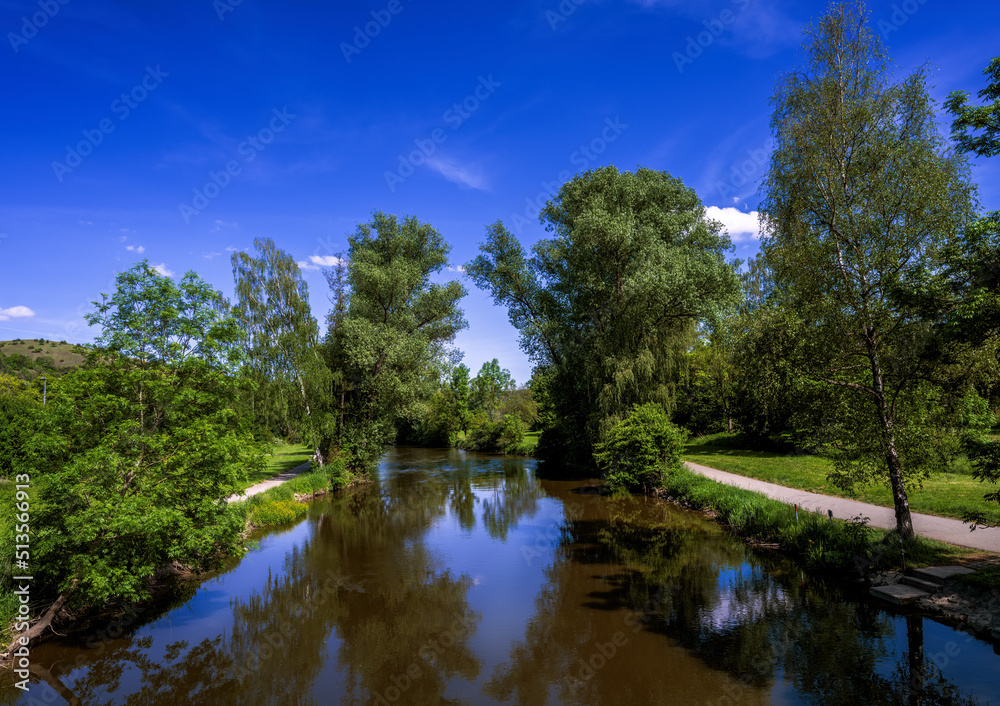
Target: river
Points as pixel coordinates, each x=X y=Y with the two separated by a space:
x=460 y=578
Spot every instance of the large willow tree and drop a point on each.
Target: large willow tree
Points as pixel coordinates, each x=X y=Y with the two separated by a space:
x=608 y=306
x=861 y=202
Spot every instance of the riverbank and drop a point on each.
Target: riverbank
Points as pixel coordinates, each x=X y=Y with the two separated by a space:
x=952 y=492
x=851 y=548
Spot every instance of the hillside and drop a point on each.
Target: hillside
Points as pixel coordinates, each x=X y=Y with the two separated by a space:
x=31 y=357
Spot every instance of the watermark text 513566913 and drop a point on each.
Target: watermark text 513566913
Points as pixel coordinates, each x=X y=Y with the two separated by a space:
x=22 y=579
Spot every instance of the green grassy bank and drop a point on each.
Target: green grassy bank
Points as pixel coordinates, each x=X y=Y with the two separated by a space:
x=818 y=542
x=945 y=494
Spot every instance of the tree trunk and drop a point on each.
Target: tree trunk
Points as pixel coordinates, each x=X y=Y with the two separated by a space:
x=39 y=627
x=904 y=523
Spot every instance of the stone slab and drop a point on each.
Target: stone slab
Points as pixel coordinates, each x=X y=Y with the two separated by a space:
x=922 y=584
x=898 y=593
x=940 y=574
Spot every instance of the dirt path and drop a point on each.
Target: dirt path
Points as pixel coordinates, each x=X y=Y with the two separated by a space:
x=940 y=528
x=269 y=483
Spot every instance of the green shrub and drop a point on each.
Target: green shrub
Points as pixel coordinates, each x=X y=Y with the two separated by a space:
x=504 y=436
x=640 y=449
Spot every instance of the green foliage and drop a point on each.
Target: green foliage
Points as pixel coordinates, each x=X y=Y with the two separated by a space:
x=490 y=388
x=862 y=204
x=397 y=330
x=152 y=319
x=290 y=392
x=20 y=422
x=986 y=117
x=503 y=436
x=609 y=305
x=138 y=448
x=639 y=450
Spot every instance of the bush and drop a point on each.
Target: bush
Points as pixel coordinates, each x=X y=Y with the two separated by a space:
x=640 y=449
x=504 y=436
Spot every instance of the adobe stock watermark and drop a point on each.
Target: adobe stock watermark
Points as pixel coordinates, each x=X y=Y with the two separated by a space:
x=562 y=12
x=901 y=14
x=698 y=43
x=248 y=150
x=744 y=170
x=583 y=157
x=224 y=7
x=30 y=25
x=122 y=108
x=364 y=34
x=454 y=117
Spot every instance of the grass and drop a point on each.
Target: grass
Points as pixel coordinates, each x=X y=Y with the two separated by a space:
x=284 y=458
x=820 y=543
x=278 y=505
x=984 y=578
x=943 y=494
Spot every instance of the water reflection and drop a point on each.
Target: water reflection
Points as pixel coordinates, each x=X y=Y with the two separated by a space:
x=463 y=579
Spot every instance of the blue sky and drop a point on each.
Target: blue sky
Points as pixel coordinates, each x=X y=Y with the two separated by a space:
x=181 y=131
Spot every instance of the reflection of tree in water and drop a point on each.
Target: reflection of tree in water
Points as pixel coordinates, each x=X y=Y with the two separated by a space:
x=364 y=576
x=744 y=620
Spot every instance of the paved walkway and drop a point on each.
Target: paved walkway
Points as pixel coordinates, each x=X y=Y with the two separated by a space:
x=269 y=483
x=940 y=528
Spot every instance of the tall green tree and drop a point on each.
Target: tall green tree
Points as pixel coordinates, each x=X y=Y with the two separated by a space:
x=398 y=329
x=860 y=204
x=281 y=336
x=610 y=303
x=490 y=387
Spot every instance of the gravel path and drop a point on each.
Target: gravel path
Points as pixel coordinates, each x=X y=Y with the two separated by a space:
x=941 y=528
x=269 y=483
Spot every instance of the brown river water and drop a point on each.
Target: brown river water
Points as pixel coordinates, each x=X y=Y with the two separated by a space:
x=461 y=578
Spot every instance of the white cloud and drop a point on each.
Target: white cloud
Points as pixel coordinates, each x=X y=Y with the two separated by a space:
x=742 y=225
x=458 y=174
x=317 y=261
x=456 y=269
x=16 y=312
x=136 y=248
x=219 y=225
x=162 y=270
x=210 y=255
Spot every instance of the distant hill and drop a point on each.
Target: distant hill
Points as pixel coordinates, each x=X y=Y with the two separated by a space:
x=30 y=357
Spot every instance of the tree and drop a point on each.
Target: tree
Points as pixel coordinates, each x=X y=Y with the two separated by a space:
x=139 y=448
x=460 y=394
x=398 y=328
x=860 y=204
x=490 y=387
x=985 y=118
x=282 y=342
x=609 y=305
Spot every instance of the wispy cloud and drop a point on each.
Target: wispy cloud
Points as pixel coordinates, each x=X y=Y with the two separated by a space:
x=136 y=248
x=464 y=176
x=219 y=225
x=162 y=270
x=456 y=269
x=741 y=225
x=16 y=312
x=316 y=262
